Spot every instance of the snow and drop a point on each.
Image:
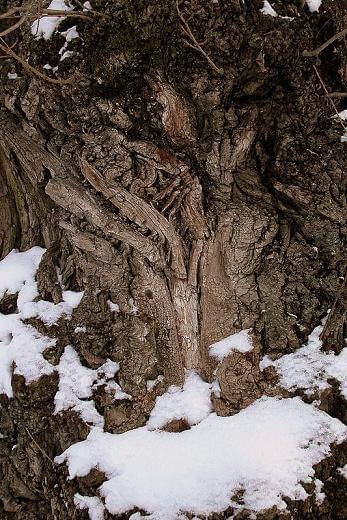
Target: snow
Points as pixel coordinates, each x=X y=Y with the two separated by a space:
x=313 y=5
x=19 y=269
x=320 y=496
x=93 y=504
x=47 y=66
x=118 y=394
x=265 y=450
x=114 y=307
x=343 y=471
x=268 y=9
x=50 y=312
x=76 y=384
x=45 y=26
x=80 y=329
x=21 y=345
x=192 y=403
x=69 y=35
x=342 y=115
x=152 y=383
x=240 y=342
x=309 y=367
x=87 y=6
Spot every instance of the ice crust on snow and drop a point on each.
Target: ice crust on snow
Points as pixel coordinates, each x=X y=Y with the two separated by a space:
x=239 y=342
x=309 y=368
x=266 y=450
x=192 y=403
x=45 y=26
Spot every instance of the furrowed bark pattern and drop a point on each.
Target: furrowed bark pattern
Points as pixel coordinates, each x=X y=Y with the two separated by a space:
x=201 y=203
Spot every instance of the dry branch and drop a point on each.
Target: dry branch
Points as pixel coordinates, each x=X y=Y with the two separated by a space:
x=327 y=94
x=33 y=70
x=325 y=45
x=196 y=46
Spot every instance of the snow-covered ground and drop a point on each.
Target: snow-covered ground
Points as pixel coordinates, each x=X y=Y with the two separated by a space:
x=265 y=451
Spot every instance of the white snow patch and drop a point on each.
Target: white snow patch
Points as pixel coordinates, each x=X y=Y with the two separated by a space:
x=75 y=387
x=240 y=342
x=80 y=329
x=152 y=383
x=343 y=471
x=50 y=312
x=342 y=115
x=45 y=26
x=69 y=35
x=265 y=450
x=268 y=9
x=76 y=384
x=19 y=269
x=87 y=6
x=118 y=394
x=22 y=346
x=192 y=403
x=320 y=496
x=309 y=367
x=313 y=5
x=114 y=307
x=93 y=504
x=47 y=66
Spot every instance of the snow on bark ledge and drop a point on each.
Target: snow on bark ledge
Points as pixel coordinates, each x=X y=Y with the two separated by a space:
x=309 y=367
x=239 y=342
x=191 y=403
x=265 y=450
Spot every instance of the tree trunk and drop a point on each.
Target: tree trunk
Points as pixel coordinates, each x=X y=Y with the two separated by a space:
x=199 y=187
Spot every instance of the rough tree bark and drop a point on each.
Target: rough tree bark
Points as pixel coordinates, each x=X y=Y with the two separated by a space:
x=201 y=202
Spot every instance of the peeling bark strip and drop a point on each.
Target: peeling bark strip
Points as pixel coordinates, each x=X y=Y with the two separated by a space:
x=191 y=183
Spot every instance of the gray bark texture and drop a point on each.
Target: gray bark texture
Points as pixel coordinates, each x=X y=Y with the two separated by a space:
x=203 y=192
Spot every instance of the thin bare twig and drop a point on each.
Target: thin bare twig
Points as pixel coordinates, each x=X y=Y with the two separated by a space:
x=39 y=447
x=325 y=45
x=33 y=70
x=327 y=94
x=186 y=29
x=338 y=94
x=14 y=26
